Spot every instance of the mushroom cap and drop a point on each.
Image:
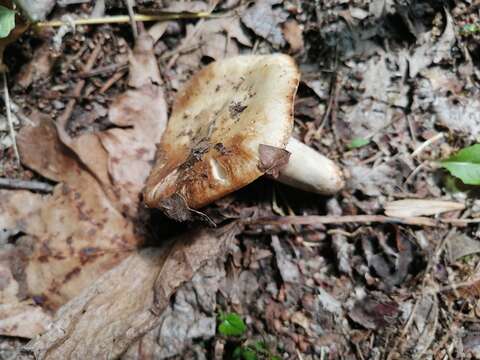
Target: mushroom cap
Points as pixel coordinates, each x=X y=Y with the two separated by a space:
x=211 y=145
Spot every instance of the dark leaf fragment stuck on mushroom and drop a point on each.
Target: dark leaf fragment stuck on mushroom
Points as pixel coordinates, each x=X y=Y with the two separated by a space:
x=223 y=126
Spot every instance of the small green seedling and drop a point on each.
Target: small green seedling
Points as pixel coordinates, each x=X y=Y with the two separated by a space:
x=465 y=165
x=7 y=21
x=256 y=351
x=231 y=325
x=469 y=29
x=357 y=143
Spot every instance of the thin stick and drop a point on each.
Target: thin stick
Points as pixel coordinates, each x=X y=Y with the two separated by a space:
x=131 y=15
x=63 y=119
x=317 y=219
x=427 y=143
x=125 y=19
x=6 y=95
x=26 y=185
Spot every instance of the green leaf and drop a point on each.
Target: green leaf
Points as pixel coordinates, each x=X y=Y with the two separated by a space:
x=465 y=165
x=261 y=347
x=232 y=325
x=7 y=21
x=244 y=353
x=358 y=142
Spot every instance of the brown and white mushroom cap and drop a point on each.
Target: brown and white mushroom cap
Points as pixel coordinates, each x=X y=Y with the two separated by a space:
x=211 y=145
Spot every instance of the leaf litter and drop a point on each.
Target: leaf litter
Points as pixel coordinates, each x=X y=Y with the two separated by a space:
x=86 y=226
x=402 y=76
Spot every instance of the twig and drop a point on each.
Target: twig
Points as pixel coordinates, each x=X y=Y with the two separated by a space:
x=63 y=119
x=102 y=70
x=364 y=219
x=112 y=80
x=26 y=185
x=318 y=219
x=6 y=95
x=131 y=15
x=125 y=19
x=427 y=143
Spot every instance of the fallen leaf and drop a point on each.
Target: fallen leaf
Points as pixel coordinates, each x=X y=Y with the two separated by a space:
x=265 y=21
x=433 y=50
x=86 y=227
x=272 y=159
x=286 y=265
x=190 y=316
x=143 y=68
x=293 y=34
x=120 y=158
x=424 y=324
x=39 y=67
x=70 y=236
x=129 y=300
x=461 y=245
x=22 y=319
x=374 y=313
x=373 y=181
x=420 y=207
x=37 y=10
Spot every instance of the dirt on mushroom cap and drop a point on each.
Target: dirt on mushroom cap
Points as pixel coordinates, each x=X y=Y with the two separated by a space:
x=211 y=145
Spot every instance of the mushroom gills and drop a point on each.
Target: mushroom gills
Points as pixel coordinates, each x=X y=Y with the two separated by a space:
x=309 y=170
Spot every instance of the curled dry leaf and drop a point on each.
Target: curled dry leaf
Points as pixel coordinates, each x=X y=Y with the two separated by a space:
x=125 y=303
x=420 y=207
x=272 y=159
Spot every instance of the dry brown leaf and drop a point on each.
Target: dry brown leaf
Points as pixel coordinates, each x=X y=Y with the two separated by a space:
x=213 y=38
x=120 y=158
x=70 y=236
x=126 y=302
x=272 y=159
x=38 y=68
x=143 y=69
x=22 y=319
x=265 y=21
x=86 y=227
x=293 y=33
x=420 y=207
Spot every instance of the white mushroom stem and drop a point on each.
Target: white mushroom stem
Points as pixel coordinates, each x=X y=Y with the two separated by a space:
x=309 y=170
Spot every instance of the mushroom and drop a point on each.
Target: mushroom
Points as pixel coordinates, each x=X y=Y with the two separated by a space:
x=220 y=120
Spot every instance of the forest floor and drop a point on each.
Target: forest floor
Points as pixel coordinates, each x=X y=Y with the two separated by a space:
x=388 y=88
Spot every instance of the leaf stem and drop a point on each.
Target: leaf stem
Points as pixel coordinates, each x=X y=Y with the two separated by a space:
x=122 y=19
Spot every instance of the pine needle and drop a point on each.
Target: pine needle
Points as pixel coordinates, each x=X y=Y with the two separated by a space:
x=6 y=97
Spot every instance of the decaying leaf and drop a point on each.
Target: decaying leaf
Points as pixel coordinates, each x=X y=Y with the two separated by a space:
x=192 y=315
x=293 y=33
x=126 y=302
x=70 y=236
x=420 y=207
x=39 y=67
x=461 y=245
x=272 y=159
x=68 y=239
x=424 y=324
x=265 y=21
x=121 y=157
x=373 y=313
